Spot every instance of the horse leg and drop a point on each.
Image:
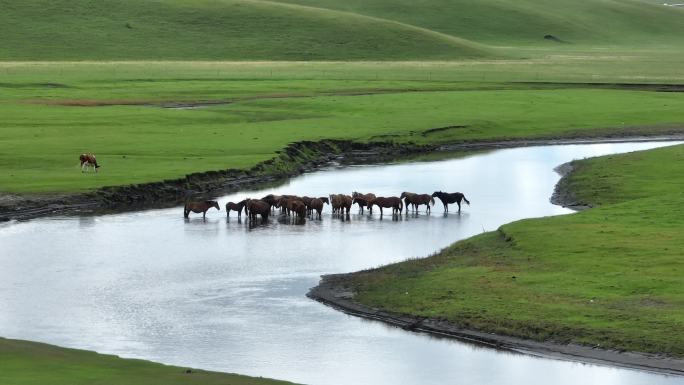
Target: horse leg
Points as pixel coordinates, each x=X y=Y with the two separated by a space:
x=459 y=206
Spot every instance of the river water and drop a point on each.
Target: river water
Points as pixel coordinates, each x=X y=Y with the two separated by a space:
x=220 y=295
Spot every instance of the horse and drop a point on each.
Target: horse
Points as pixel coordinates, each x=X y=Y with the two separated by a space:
x=448 y=198
x=388 y=202
x=235 y=207
x=271 y=199
x=336 y=202
x=419 y=199
x=317 y=204
x=199 y=207
x=307 y=202
x=254 y=207
x=346 y=203
x=405 y=196
x=299 y=208
x=363 y=199
x=88 y=160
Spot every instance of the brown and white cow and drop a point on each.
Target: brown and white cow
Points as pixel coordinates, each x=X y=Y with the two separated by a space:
x=88 y=160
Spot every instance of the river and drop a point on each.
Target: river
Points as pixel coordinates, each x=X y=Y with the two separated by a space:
x=220 y=295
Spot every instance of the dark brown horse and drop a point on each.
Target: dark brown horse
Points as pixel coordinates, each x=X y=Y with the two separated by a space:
x=448 y=198
x=271 y=199
x=363 y=199
x=419 y=199
x=394 y=203
x=199 y=207
x=336 y=203
x=254 y=207
x=235 y=207
x=317 y=205
x=299 y=208
x=405 y=196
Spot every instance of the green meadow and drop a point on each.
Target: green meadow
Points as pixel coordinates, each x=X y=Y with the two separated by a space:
x=97 y=76
x=610 y=276
x=32 y=363
x=52 y=112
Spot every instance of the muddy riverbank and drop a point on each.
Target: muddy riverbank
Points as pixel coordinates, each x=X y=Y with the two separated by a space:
x=295 y=159
x=334 y=290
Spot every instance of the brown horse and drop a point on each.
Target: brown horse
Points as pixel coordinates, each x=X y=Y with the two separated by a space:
x=199 y=207
x=235 y=207
x=271 y=199
x=363 y=199
x=286 y=201
x=448 y=198
x=254 y=207
x=317 y=204
x=405 y=196
x=88 y=160
x=299 y=208
x=336 y=202
x=388 y=202
x=419 y=199
x=346 y=203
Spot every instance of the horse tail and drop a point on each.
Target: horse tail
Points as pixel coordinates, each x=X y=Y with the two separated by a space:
x=432 y=201
x=466 y=201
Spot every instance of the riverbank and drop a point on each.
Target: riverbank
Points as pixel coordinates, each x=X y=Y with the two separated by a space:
x=296 y=159
x=597 y=286
x=28 y=363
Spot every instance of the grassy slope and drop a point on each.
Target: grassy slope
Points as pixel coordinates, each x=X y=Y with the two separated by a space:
x=525 y=22
x=140 y=143
x=609 y=276
x=210 y=30
x=29 y=363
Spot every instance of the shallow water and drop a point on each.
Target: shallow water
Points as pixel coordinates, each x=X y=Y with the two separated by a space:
x=218 y=295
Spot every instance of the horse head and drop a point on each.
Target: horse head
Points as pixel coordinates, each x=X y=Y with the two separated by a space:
x=214 y=204
x=436 y=194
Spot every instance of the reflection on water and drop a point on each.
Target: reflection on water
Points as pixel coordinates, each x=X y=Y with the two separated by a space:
x=226 y=294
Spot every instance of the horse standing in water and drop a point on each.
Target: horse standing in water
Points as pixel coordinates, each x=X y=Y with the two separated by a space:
x=394 y=203
x=235 y=207
x=363 y=200
x=254 y=207
x=448 y=198
x=405 y=196
x=418 y=200
x=199 y=207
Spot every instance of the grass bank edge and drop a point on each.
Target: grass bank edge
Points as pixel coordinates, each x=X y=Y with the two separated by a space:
x=28 y=363
x=605 y=277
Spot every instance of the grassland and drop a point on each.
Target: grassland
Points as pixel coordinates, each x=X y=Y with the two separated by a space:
x=609 y=276
x=54 y=111
x=32 y=363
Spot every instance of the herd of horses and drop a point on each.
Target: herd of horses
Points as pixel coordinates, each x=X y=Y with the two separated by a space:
x=300 y=207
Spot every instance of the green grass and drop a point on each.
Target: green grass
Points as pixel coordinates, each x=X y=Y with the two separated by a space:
x=610 y=276
x=29 y=363
x=327 y=29
x=40 y=140
x=526 y=22
x=211 y=30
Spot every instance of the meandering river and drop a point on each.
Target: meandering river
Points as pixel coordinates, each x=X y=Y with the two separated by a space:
x=218 y=295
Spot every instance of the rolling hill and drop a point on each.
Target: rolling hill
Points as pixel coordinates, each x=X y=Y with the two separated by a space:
x=211 y=30
x=324 y=29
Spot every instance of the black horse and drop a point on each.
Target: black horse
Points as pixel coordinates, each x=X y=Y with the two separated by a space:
x=448 y=198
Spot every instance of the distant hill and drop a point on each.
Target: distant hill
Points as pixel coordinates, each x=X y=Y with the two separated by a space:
x=322 y=29
x=526 y=22
x=211 y=30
